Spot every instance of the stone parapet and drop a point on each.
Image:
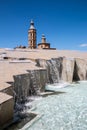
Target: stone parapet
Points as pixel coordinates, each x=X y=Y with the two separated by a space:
x=6 y=108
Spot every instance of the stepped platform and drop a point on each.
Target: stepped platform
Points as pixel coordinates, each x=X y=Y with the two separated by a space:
x=18 y=61
x=41 y=54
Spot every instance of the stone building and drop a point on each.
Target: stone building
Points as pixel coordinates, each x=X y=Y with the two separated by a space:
x=32 y=36
x=32 y=39
x=43 y=44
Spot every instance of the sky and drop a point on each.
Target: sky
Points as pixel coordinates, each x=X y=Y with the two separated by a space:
x=63 y=22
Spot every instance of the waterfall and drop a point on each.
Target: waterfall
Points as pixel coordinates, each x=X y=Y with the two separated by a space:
x=53 y=72
x=58 y=69
x=34 y=89
x=53 y=67
x=30 y=83
x=21 y=86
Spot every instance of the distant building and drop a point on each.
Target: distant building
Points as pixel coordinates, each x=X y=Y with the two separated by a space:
x=43 y=44
x=32 y=36
x=20 y=47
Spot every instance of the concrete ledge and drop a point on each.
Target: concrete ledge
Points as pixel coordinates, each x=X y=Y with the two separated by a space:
x=32 y=121
x=6 y=108
x=8 y=90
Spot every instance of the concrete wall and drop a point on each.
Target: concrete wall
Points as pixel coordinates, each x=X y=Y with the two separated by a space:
x=6 y=112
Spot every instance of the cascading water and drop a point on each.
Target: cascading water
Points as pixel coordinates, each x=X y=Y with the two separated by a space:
x=53 y=73
x=58 y=69
x=30 y=84
x=34 y=90
x=54 y=68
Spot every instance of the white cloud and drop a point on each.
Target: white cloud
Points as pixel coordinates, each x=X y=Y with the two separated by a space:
x=83 y=45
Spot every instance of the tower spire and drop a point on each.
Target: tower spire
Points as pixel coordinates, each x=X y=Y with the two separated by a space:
x=32 y=25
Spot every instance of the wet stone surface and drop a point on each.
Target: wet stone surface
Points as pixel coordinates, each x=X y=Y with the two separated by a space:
x=66 y=111
x=20 y=122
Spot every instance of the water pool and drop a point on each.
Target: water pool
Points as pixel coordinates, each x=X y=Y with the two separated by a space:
x=66 y=111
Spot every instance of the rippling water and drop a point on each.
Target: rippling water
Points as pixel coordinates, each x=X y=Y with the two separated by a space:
x=66 y=111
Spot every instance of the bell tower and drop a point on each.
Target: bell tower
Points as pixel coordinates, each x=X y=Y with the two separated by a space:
x=32 y=36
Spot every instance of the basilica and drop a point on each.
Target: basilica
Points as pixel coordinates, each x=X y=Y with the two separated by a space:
x=32 y=36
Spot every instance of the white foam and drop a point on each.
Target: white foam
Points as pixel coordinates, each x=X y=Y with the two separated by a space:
x=83 y=81
x=56 y=86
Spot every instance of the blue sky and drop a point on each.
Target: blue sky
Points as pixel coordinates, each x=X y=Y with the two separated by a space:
x=64 y=22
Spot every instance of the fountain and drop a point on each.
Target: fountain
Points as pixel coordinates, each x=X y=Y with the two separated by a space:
x=57 y=109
